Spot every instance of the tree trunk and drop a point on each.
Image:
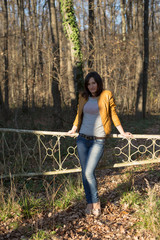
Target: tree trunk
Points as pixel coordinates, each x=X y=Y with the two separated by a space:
x=55 y=48
x=91 y=34
x=73 y=35
x=129 y=17
x=65 y=93
x=123 y=19
x=139 y=64
x=146 y=55
x=53 y=23
x=113 y=17
x=6 y=61
x=134 y=16
x=23 y=52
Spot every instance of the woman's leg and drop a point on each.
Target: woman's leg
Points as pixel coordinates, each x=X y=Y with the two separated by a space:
x=83 y=149
x=94 y=154
x=90 y=152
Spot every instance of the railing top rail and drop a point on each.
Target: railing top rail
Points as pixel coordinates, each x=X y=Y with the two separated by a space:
x=35 y=152
x=52 y=133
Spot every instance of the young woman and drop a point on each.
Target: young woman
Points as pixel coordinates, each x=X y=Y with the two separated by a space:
x=96 y=110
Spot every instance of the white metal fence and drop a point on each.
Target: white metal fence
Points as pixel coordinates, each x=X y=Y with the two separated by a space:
x=31 y=153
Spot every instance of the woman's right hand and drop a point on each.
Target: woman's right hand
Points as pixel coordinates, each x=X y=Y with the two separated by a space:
x=73 y=130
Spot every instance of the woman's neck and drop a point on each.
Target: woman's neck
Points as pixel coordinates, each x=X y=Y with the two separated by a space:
x=94 y=96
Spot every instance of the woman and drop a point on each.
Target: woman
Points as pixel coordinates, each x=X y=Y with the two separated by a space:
x=95 y=112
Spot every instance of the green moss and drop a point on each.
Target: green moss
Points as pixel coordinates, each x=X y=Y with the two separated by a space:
x=69 y=21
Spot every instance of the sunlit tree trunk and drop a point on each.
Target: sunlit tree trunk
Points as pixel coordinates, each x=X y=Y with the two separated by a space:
x=112 y=16
x=123 y=3
x=73 y=35
x=91 y=34
x=135 y=16
x=146 y=55
x=139 y=63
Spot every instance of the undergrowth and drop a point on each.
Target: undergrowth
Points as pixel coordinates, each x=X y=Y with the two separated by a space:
x=24 y=199
x=19 y=201
x=146 y=207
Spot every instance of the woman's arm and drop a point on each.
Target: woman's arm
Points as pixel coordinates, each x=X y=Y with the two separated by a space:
x=116 y=120
x=73 y=130
x=77 y=121
x=124 y=134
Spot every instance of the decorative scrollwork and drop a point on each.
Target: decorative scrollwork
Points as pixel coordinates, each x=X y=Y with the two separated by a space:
x=139 y=149
x=27 y=152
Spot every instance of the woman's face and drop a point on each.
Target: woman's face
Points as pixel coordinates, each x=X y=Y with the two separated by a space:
x=92 y=86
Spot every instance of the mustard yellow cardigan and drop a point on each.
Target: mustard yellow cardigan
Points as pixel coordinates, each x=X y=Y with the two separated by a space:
x=107 y=110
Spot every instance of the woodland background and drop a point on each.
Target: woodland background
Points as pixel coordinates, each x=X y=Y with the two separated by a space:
x=48 y=46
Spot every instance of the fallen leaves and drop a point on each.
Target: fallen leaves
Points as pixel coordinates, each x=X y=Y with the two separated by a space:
x=115 y=222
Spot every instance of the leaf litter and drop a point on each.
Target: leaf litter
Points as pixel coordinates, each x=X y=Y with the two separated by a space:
x=117 y=221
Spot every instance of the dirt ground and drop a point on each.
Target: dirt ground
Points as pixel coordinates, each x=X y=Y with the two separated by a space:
x=115 y=222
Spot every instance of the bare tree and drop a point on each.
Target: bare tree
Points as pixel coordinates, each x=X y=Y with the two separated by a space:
x=6 y=61
x=146 y=56
x=139 y=63
x=74 y=44
x=23 y=50
x=122 y=4
x=91 y=34
x=55 y=51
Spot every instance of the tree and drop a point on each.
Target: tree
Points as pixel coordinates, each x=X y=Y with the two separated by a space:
x=91 y=34
x=122 y=4
x=143 y=58
x=23 y=51
x=139 y=63
x=55 y=52
x=6 y=60
x=146 y=56
x=75 y=58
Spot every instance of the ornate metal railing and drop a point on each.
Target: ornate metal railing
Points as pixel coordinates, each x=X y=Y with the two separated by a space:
x=31 y=153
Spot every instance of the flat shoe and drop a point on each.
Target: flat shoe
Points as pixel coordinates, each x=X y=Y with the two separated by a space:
x=96 y=212
x=88 y=210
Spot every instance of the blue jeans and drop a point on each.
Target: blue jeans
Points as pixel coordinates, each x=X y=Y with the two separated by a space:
x=90 y=152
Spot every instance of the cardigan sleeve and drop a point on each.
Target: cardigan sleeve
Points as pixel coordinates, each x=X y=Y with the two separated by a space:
x=76 y=121
x=113 y=113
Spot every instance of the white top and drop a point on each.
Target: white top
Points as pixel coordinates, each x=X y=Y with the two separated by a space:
x=92 y=123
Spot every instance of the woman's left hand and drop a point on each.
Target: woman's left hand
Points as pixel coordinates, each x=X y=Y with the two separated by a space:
x=127 y=135
x=123 y=133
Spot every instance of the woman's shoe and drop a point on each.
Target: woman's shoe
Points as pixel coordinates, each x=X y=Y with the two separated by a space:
x=96 y=212
x=88 y=209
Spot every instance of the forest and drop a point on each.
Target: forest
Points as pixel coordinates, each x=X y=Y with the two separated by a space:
x=46 y=49
x=48 y=46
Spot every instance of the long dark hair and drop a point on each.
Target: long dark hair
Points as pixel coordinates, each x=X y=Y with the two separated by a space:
x=97 y=79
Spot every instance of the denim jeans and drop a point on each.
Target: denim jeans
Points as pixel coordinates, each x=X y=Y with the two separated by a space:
x=90 y=152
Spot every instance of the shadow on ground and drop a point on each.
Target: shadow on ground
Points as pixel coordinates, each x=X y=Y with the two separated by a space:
x=72 y=222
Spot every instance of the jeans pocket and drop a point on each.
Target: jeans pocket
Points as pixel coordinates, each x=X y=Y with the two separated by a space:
x=100 y=141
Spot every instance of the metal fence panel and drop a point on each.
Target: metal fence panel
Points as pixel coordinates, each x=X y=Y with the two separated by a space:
x=31 y=153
